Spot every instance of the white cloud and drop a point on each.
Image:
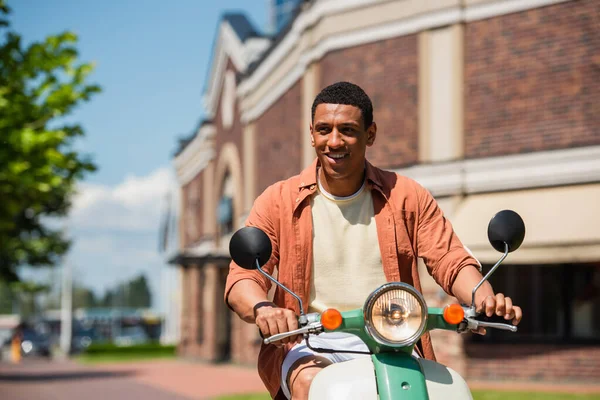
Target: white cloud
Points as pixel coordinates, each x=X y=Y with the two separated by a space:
x=101 y=260
x=135 y=204
x=115 y=231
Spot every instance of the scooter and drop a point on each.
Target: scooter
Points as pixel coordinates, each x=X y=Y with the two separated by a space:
x=392 y=320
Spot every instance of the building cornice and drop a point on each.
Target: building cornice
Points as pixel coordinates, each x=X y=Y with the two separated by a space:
x=241 y=54
x=196 y=155
x=512 y=172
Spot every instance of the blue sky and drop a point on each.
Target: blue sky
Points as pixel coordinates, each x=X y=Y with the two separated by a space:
x=151 y=61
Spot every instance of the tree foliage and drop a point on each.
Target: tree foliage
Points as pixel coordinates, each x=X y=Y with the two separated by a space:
x=133 y=293
x=40 y=84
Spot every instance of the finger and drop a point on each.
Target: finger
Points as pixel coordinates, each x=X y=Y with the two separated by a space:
x=479 y=331
x=490 y=305
x=292 y=323
x=262 y=324
x=481 y=307
x=282 y=326
x=509 y=312
x=518 y=315
x=272 y=323
x=500 y=305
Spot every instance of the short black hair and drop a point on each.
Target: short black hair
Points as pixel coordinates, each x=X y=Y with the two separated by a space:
x=349 y=94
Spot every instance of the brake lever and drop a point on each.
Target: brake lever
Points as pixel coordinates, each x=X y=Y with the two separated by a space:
x=314 y=328
x=474 y=324
x=474 y=321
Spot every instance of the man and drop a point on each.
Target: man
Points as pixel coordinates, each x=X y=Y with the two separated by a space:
x=339 y=230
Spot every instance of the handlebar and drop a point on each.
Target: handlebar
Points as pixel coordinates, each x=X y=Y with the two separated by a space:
x=471 y=322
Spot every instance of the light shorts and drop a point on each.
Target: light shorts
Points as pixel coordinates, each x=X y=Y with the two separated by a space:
x=327 y=340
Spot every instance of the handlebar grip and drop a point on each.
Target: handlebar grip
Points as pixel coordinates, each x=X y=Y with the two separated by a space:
x=494 y=319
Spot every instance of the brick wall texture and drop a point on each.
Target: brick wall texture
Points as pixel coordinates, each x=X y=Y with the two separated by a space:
x=193 y=215
x=278 y=139
x=533 y=362
x=532 y=80
x=388 y=72
x=192 y=314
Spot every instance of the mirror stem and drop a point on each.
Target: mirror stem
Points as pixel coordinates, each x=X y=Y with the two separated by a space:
x=485 y=278
x=302 y=320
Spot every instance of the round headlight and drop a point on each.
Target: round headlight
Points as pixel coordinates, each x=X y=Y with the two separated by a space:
x=395 y=314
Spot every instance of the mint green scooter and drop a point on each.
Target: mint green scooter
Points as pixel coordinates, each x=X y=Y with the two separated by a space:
x=391 y=321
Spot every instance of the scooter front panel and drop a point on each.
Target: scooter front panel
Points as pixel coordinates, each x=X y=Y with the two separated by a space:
x=399 y=376
x=444 y=383
x=349 y=380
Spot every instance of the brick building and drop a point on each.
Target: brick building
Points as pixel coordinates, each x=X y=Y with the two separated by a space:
x=490 y=104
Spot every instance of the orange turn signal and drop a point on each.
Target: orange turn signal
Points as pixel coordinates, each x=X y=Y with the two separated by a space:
x=454 y=314
x=331 y=319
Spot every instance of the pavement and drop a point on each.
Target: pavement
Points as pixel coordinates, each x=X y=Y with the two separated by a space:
x=168 y=380
x=148 y=380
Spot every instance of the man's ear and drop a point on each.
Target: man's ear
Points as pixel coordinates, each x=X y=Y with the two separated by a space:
x=312 y=138
x=371 y=134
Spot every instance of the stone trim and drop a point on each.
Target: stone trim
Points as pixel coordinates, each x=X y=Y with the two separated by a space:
x=521 y=171
x=196 y=155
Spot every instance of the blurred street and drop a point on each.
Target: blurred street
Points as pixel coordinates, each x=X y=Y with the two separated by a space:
x=151 y=380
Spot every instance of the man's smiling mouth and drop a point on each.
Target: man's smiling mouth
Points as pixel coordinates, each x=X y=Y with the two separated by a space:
x=337 y=156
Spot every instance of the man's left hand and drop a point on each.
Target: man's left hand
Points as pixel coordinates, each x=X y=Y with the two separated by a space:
x=501 y=306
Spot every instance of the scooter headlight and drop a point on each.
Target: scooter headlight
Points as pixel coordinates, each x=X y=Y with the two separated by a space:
x=395 y=314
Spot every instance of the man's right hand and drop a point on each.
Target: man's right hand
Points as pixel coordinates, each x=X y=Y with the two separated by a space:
x=272 y=320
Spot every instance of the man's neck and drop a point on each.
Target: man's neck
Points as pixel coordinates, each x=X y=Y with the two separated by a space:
x=341 y=187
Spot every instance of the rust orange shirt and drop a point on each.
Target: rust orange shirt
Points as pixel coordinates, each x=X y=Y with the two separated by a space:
x=409 y=225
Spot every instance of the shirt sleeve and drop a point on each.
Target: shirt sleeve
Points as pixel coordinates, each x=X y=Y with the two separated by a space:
x=264 y=215
x=438 y=244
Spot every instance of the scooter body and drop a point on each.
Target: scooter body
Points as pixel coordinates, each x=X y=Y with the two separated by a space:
x=390 y=372
x=356 y=380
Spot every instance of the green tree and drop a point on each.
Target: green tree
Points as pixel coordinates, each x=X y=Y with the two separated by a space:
x=27 y=294
x=40 y=84
x=138 y=293
x=133 y=293
x=108 y=300
x=83 y=297
x=7 y=298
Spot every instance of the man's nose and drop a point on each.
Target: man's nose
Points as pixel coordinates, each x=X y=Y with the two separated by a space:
x=335 y=139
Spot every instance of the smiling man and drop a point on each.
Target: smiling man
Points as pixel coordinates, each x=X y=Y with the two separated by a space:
x=339 y=230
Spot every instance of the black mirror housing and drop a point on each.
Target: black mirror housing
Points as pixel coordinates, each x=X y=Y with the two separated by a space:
x=506 y=227
x=248 y=245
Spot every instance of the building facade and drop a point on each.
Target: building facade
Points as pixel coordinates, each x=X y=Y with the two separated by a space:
x=490 y=104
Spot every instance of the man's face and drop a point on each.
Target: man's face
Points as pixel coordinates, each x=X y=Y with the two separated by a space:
x=340 y=139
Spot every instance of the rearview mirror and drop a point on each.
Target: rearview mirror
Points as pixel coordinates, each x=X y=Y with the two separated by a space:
x=506 y=227
x=250 y=248
x=248 y=245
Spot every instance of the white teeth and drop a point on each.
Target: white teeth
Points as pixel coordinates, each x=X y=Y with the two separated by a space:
x=337 y=156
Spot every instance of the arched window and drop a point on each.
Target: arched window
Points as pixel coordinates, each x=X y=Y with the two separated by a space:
x=225 y=211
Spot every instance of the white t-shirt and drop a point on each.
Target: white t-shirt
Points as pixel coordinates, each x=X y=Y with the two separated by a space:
x=347 y=263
